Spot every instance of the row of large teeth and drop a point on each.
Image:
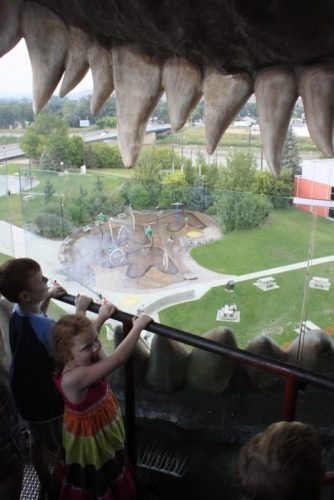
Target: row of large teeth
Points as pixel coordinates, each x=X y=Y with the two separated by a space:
x=168 y=366
x=57 y=51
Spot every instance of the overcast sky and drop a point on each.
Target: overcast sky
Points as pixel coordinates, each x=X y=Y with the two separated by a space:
x=15 y=74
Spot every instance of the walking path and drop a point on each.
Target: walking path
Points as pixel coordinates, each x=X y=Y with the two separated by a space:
x=19 y=243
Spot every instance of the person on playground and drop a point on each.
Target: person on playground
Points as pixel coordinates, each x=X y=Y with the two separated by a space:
x=31 y=372
x=95 y=463
x=284 y=462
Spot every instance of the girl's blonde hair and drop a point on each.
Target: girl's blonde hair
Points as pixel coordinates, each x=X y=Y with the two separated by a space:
x=66 y=329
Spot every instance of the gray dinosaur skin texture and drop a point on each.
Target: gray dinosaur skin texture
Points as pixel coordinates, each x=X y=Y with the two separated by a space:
x=230 y=34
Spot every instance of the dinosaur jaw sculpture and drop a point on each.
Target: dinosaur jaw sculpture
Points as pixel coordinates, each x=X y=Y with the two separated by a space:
x=223 y=50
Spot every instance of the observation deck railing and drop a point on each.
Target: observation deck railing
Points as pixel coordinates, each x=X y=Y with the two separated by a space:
x=295 y=378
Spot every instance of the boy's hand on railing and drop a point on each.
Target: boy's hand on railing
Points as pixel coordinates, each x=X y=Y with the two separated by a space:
x=105 y=311
x=56 y=291
x=82 y=302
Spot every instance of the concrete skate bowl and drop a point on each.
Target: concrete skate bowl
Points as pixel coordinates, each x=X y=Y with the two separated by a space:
x=139 y=250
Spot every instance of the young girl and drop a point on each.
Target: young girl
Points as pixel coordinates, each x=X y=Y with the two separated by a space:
x=95 y=462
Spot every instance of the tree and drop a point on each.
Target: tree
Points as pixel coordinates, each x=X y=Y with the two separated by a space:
x=91 y=157
x=174 y=190
x=161 y=112
x=290 y=157
x=70 y=113
x=47 y=136
x=279 y=189
x=98 y=200
x=249 y=109
x=189 y=172
x=152 y=162
x=75 y=151
x=108 y=156
x=78 y=208
x=106 y=121
x=32 y=144
x=138 y=196
x=102 y=155
x=210 y=176
x=239 y=173
x=13 y=113
x=7 y=117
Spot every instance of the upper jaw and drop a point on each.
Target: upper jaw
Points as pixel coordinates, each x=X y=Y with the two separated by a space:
x=61 y=51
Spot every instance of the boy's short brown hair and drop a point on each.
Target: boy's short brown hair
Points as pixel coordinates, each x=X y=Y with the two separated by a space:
x=281 y=463
x=14 y=277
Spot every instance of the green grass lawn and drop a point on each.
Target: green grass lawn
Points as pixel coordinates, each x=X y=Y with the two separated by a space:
x=275 y=313
x=124 y=173
x=284 y=239
x=3 y=258
x=233 y=137
x=17 y=211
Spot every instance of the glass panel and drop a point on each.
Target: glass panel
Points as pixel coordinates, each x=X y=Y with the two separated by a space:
x=159 y=248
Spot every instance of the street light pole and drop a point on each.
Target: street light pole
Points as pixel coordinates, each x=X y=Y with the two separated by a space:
x=84 y=152
x=30 y=174
x=6 y=167
x=62 y=217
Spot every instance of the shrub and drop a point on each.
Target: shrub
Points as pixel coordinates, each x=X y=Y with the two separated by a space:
x=241 y=210
x=52 y=226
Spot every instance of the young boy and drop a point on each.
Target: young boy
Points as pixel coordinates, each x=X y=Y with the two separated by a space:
x=31 y=372
x=284 y=462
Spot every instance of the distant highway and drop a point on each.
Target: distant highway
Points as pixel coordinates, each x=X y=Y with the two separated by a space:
x=12 y=151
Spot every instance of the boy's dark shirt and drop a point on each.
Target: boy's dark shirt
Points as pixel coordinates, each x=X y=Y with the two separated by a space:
x=31 y=373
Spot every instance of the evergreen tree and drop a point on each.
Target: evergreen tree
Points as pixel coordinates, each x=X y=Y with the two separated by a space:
x=290 y=157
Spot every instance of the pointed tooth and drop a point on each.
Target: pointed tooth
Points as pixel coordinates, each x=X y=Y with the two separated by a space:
x=100 y=62
x=224 y=96
x=76 y=65
x=276 y=94
x=316 y=87
x=182 y=82
x=9 y=24
x=138 y=89
x=47 y=39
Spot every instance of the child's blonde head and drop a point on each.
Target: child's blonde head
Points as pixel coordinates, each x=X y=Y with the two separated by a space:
x=66 y=329
x=281 y=463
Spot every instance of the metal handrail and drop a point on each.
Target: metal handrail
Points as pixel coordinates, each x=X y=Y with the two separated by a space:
x=295 y=377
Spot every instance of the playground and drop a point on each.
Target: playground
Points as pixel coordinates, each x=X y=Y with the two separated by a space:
x=137 y=250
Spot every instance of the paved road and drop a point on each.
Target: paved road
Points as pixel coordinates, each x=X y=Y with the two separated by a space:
x=12 y=151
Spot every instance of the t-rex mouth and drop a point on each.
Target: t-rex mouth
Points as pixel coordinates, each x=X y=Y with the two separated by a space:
x=223 y=50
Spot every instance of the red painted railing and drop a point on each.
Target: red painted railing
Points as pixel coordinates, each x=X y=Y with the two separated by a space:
x=294 y=377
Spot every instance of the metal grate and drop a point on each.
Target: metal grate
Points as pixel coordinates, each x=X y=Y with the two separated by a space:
x=30 y=484
x=165 y=461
